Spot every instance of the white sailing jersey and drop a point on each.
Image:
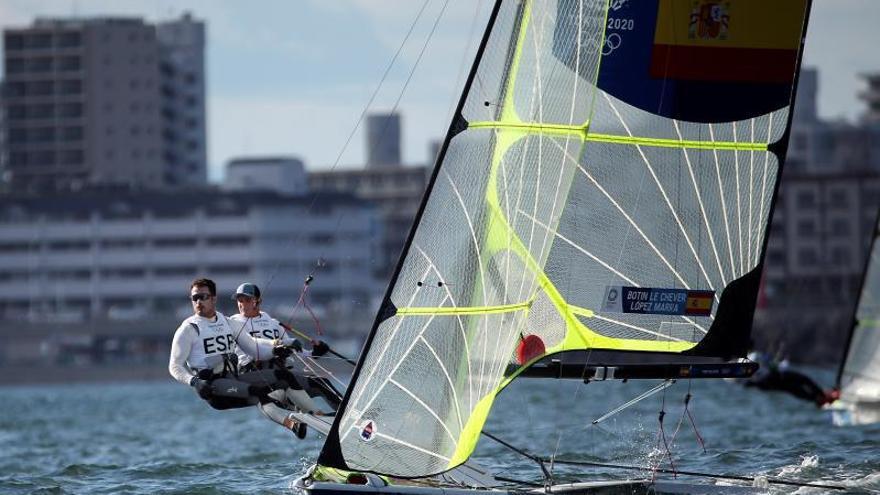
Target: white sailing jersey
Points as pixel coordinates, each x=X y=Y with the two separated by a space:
x=263 y=326
x=201 y=343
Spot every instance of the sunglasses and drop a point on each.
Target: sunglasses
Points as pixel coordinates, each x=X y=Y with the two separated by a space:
x=200 y=296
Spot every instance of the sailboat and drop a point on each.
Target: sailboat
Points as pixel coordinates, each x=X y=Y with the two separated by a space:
x=858 y=378
x=598 y=211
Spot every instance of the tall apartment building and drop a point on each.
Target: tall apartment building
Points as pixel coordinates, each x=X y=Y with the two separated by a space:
x=871 y=97
x=182 y=76
x=383 y=140
x=831 y=146
x=104 y=101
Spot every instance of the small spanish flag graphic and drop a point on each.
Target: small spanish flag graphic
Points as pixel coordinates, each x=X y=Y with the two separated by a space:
x=699 y=303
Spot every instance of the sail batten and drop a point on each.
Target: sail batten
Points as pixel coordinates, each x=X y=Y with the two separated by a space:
x=466 y=310
x=583 y=132
x=582 y=202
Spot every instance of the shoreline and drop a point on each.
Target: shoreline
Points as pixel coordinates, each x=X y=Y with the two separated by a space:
x=55 y=375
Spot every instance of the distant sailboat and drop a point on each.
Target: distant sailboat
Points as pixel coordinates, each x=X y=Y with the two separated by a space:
x=858 y=378
x=598 y=210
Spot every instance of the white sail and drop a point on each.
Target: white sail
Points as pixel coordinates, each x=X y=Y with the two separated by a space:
x=599 y=189
x=859 y=375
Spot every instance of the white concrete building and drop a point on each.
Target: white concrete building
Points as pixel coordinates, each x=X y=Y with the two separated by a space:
x=98 y=255
x=396 y=191
x=282 y=174
x=820 y=234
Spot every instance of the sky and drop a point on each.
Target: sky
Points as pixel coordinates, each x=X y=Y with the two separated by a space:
x=289 y=77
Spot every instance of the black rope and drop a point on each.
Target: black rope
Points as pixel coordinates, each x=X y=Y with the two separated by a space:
x=540 y=461
x=776 y=481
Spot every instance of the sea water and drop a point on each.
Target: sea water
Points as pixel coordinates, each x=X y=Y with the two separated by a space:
x=159 y=438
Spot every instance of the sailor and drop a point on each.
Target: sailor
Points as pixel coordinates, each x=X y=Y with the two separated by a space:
x=252 y=320
x=203 y=356
x=774 y=374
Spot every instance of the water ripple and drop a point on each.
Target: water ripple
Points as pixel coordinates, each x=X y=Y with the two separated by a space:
x=157 y=438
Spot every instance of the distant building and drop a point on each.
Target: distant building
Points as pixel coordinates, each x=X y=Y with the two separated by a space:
x=94 y=255
x=383 y=140
x=434 y=151
x=820 y=231
x=395 y=189
x=104 y=101
x=286 y=175
x=182 y=95
x=819 y=240
x=871 y=97
x=4 y=181
x=397 y=193
x=822 y=146
x=805 y=110
x=819 y=235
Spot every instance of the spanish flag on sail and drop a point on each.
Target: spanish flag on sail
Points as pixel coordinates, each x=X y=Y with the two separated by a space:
x=699 y=60
x=699 y=302
x=710 y=40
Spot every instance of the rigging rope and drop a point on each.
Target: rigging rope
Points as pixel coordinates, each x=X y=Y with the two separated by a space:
x=675 y=472
x=548 y=475
x=345 y=145
x=302 y=301
x=360 y=119
x=644 y=395
x=777 y=481
x=294 y=240
x=661 y=435
x=686 y=411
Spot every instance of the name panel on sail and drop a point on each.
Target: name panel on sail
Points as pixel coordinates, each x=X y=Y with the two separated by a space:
x=658 y=301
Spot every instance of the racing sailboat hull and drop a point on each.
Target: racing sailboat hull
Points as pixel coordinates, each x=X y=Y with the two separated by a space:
x=615 y=487
x=845 y=413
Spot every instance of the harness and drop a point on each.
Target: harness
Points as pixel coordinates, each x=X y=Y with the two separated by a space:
x=230 y=363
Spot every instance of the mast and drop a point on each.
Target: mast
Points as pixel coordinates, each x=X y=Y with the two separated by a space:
x=330 y=455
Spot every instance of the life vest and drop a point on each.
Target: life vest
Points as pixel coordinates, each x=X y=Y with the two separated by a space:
x=214 y=346
x=262 y=327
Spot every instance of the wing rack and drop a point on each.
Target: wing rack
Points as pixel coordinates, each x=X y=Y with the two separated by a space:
x=606 y=365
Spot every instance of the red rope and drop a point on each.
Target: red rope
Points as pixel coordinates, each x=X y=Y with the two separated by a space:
x=302 y=301
x=314 y=318
x=666 y=445
x=661 y=435
x=694 y=424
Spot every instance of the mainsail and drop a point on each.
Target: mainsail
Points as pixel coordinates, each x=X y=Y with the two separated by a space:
x=858 y=378
x=606 y=184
